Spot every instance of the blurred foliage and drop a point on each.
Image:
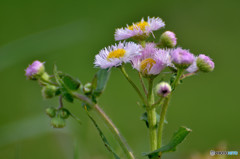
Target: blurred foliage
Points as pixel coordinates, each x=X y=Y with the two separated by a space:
x=70 y=33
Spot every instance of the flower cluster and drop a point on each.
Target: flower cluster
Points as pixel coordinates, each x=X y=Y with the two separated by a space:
x=150 y=58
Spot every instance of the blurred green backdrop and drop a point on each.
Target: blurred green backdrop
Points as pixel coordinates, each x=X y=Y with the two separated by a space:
x=69 y=33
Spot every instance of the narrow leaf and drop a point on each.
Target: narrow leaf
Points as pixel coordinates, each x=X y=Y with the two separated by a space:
x=99 y=81
x=176 y=139
x=104 y=139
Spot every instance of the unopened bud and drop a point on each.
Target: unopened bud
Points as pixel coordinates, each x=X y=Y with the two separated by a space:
x=163 y=89
x=49 y=91
x=64 y=113
x=51 y=112
x=58 y=122
x=204 y=63
x=87 y=88
x=35 y=70
x=182 y=58
x=168 y=40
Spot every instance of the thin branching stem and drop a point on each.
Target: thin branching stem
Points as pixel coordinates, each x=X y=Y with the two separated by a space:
x=142 y=83
x=99 y=112
x=133 y=84
x=164 y=110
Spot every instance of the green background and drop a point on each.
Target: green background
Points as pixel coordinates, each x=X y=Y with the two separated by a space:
x=70 y=33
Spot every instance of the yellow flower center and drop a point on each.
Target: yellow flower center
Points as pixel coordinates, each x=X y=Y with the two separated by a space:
x=146 y=65
x=116 y=53
x=142 y=25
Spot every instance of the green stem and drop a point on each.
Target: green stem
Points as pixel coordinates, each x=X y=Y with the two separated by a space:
x=162 y=118
x=159 y=102
x=176 y=81
x=99 y=112
x=164 y=109
x=151 y=113
x=142 y=83
x=132 y=83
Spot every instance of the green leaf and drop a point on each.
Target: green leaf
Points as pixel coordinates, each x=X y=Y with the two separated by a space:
x=64 y=89
x=70 y=82
x=176 y=139
x=99 y=81
x=104 y=139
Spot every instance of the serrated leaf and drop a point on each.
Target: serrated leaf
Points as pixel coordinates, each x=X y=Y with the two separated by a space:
x=99 y=81
x=70 y=82
x=176 y=139
x=63 y=88
x=104 y=139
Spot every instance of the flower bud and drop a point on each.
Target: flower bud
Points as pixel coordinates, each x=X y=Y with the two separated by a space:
x=51 y=112
x=163 y=89
x=204 y=63
x=64 y=113
x=35 y=70
x=182 y=58
x=168 y=40
x=87 y=88
x=49 y=91
x=58 y=122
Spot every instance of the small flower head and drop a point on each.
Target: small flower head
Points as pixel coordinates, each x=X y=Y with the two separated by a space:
x=140 y=30
x=51 y=112
x=182 y=58
x=168 y=40
x=49 y=91
x=152 y=60
x=115 y=55
x=35 y=69
x=163 y=89
x=58 y=122
x=205 y=63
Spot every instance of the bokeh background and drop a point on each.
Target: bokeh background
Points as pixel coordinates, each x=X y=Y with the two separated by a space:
x=70 y=33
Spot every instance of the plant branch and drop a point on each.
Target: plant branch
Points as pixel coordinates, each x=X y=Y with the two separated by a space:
x=188 y=75
x=164 y=110
x=133 y=85
x=121 y=140
x=142 y=83
x=151 y=113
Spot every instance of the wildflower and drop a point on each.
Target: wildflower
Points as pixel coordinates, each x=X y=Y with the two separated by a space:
x=168 y=40
x=204 y=63
x=115 y=55
x=152 y=60
x=163 y=89
x=140 y=30
x=182 y=58
x=35 y=69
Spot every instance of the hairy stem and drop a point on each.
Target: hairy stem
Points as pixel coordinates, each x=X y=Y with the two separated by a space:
x=164 y=110
x=151 y=113
x=162 y=118
x=120 y=139
x=132 y=83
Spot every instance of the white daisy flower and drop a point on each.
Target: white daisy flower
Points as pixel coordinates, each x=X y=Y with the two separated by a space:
x=140 y=30
x=115 y=55
x=152 y=60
